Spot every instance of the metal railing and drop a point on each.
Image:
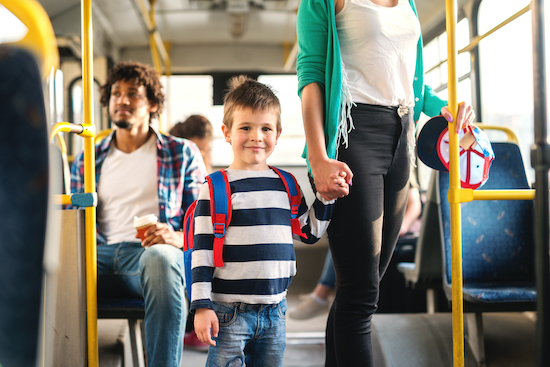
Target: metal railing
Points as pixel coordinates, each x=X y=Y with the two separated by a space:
x=457 y=195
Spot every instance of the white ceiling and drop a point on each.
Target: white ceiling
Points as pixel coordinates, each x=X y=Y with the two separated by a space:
x=190 y=25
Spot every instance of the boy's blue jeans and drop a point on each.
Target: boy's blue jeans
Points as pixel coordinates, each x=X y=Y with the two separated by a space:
x=254 y=335
x=128 y=270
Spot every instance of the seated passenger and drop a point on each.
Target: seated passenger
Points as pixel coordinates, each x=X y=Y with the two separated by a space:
x=198 y=129
x=139 y=172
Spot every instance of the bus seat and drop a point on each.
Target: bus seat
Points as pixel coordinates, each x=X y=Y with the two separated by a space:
x=133 y=310
x=24 y=185
x=497 y=246
x=102 y=134
x=425 y=272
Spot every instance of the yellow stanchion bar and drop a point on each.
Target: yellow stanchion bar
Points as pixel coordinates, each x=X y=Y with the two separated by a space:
x=84 y=130
x=89 y=183
x=454 y=185
x=524 y=194
x=465 y=195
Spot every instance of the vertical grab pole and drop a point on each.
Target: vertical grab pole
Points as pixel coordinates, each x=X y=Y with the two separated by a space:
x=540 y=160
x=454 y=187
x=89 y=183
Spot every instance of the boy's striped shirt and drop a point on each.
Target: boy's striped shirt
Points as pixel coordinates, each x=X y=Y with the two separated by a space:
x=258 y=253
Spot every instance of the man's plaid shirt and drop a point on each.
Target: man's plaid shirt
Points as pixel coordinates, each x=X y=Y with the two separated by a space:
x=181 y=173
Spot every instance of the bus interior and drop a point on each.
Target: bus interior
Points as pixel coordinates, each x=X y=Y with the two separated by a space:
x=197 y=46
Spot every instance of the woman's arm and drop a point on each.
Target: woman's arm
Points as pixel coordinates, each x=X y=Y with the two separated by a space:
x=321 y=166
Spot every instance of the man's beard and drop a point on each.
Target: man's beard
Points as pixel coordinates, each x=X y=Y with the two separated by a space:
x=123 y=124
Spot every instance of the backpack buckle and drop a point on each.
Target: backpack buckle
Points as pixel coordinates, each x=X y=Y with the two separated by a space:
x=219 y=225
x=294 y=210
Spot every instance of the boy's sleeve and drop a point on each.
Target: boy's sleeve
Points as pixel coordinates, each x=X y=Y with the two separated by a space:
x=315 y=220
x=202 y=257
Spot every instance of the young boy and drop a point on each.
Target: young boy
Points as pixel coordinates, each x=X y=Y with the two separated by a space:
x=240 y=307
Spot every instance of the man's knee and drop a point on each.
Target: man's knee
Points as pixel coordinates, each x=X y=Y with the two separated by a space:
x=162 y=258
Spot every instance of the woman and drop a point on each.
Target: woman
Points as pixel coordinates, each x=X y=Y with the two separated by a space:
x=360 y=74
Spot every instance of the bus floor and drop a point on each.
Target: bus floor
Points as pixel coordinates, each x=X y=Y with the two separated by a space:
x=400 y=340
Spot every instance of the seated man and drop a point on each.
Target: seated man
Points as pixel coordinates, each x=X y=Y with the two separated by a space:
x=138 y=172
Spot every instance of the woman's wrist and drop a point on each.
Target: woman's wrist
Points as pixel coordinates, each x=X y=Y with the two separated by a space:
x=319 y=157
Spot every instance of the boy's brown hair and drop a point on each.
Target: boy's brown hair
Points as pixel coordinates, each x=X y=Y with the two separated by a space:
x=140 y=74
x=245 y=92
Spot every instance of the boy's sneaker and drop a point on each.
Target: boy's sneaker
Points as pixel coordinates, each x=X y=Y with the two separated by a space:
x=308 y=307
x=191 y=341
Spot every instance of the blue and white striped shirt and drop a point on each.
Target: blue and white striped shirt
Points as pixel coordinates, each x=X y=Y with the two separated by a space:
x=258 y=253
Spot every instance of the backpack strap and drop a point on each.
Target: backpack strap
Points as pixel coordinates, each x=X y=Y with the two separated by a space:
x=294 y=197
x=189 y=227
x=220 y=211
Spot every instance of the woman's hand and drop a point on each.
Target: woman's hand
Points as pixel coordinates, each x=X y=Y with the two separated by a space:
x=465 y=116
x=332 y=178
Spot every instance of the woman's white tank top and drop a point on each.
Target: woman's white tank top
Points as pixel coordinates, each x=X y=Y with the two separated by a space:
x=378 y=48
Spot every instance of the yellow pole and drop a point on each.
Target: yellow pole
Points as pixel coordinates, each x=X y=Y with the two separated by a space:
x=454 y=185
x=89 y=183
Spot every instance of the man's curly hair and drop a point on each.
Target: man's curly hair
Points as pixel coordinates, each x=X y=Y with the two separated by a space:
x=140 y=74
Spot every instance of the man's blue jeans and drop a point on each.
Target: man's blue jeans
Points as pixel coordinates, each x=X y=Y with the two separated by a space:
x=328 y=277
x=251 y=334
x=127 y=270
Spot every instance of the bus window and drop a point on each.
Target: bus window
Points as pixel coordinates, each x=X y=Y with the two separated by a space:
x=291 y=143
x=76 y=113
x=436 y=76
x=506 y=70
x=193 y=94
x=11 y=28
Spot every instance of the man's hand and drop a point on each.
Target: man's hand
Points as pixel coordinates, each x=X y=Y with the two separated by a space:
x=162 y=233
x=206 y=325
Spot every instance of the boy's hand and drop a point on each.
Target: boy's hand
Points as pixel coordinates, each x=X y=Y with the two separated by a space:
x=339 y=179
x=328 y=175
x=205 y=321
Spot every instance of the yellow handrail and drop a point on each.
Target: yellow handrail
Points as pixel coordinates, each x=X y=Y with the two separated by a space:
x=89 y=182
x=454 y=184
x=510 y=134
x=457 y=195
x=40 y=38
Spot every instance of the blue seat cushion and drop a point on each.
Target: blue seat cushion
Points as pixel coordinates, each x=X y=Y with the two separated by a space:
x=502 y=292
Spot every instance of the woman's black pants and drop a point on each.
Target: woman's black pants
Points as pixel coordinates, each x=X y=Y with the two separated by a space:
x=365 y=228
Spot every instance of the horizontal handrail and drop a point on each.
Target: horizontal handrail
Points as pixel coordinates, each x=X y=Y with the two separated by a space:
x=510 y=134
x=84 y=130
x=465 y=195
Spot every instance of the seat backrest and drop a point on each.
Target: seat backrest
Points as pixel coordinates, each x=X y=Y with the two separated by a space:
x=497 y=235
x=24 y=176
x=427 y=257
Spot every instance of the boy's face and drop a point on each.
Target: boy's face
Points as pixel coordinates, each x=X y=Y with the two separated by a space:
x=253 y=137
x=129 y=106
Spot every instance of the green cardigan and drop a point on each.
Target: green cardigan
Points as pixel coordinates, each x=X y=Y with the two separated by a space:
x=319 y=61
